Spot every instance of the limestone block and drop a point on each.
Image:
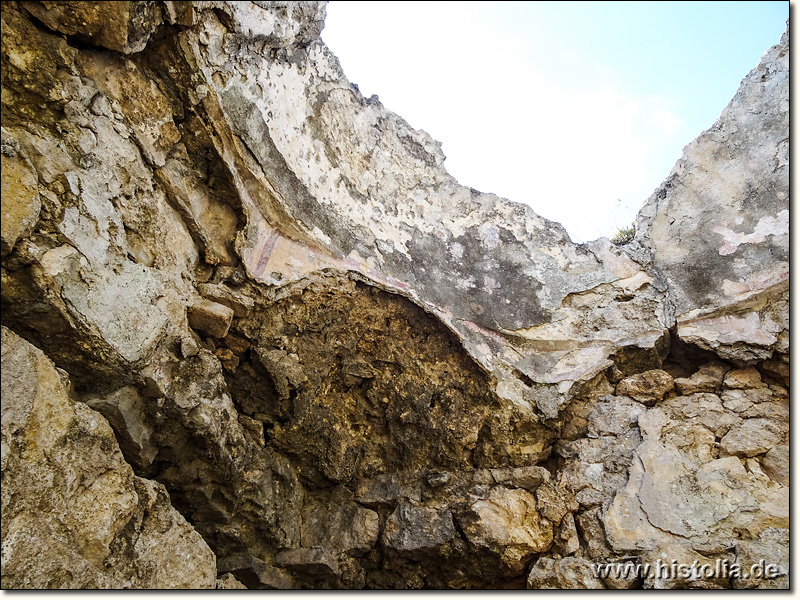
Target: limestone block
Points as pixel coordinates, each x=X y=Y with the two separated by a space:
x=210 y=317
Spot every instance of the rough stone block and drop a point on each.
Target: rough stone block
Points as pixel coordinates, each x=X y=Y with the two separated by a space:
x=210 y=317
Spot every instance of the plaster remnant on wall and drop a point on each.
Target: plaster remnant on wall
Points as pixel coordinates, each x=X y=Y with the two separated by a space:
x=777 y=225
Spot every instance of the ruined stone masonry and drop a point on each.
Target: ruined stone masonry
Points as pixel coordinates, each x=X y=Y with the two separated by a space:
x=255 y=335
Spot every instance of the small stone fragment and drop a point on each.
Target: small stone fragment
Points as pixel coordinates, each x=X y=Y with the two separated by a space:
x=235 y=343
x=418 y=532
x=708 y=378
x=341 y=526
x=228 y=359
x=528 y=478
x=210 y=317
x=554 y=501
x=315 y=561
x=648 y=387
x=508 y=524
x=743 y=379
x=590 y=526
x=189 y=347
x=229 y=582
x=242 y=305
x=566 y=539
x=254 y=572
x=569 y=573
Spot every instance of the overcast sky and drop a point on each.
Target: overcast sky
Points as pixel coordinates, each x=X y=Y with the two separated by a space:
x=579 y=109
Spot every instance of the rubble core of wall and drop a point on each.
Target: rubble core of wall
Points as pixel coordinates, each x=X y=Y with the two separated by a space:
x=255 y=335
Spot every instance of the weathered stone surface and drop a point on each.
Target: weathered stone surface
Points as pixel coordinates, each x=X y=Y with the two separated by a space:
x=596 y=467
x=229 y=582
x=565 y=540
x=677 y=492
x=565 y=574
x=20 y=200
x=214 y=224
x=753 y=437
x=704 y=410
x=122 y=26
x=625 y=578
x=747 y=378
x=696 y=570
x=254 y=573
x=614 y=415
x=316 y=561
x=508 y=523
x=124 y=410
x=74 y=515
x=554 y=501
x=590 y=527
x=769 y=554
x=239 y=303
x=388 y=489
x=777 y=368
x=717 y=227
x=776 y=464
x=419 y=533
x=341 y=526
x=528 y=478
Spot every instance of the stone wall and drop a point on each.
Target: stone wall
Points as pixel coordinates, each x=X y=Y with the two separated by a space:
x=326 y=364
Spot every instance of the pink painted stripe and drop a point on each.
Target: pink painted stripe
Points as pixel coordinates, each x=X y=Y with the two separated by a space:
x=269 y=245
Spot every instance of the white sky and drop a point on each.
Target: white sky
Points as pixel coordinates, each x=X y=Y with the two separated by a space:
x=577 y=109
